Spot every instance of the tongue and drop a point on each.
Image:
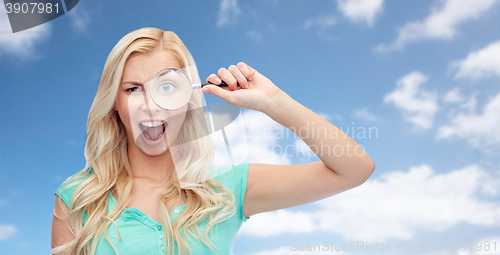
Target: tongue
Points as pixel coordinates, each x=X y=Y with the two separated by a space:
x=154 y=132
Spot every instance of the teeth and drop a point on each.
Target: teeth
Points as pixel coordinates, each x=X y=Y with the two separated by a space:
x=152 y=123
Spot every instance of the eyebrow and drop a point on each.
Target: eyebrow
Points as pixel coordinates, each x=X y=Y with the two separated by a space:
x=133 y=83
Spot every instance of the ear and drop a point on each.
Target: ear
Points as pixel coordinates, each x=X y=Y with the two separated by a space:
x=114 y=108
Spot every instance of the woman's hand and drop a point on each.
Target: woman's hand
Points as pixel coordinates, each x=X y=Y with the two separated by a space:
x=254 y=91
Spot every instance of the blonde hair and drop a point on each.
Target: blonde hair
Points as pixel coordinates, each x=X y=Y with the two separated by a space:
x=107 y=159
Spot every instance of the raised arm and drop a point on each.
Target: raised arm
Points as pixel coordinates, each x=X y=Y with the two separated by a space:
x=273 y=187
x=343 y=163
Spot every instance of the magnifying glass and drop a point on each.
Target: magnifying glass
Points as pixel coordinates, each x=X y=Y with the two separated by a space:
x=171 y=88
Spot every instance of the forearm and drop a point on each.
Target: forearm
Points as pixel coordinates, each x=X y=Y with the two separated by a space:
x=337 y=150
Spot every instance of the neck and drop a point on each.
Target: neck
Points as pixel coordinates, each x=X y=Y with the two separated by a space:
x=156 y=169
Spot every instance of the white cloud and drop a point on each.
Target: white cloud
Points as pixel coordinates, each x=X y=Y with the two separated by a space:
x=442 y=23
x=262 y=133
x=481 y=63
x=321 y=22
x=255 y=35
x=279 y=251
x=471 y=104
x=365 y=114
x=7 y=231
x=399 y=204
x=395 y=206
x=228 y=12
x=417 y=105
x=293 y=249
x=480 y=130
x=279 y=222
x=80 y=17
x=453 y=96
x=22 y=44
x=258 y=141
x=263 y=141
x=361 y=10
x=302 y=148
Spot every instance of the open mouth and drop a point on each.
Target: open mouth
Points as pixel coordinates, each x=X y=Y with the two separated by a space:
x=153 y=130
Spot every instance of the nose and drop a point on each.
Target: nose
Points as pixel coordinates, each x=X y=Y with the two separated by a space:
x=148 y=104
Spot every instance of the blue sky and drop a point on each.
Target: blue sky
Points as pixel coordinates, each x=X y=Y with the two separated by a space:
x=423 y=74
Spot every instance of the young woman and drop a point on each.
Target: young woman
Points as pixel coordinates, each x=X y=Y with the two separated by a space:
x=138 y=192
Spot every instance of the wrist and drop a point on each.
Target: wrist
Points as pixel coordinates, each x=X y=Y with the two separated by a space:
x=277 y=103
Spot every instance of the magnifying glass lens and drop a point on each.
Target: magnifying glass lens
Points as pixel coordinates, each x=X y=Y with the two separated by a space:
x=171 y=89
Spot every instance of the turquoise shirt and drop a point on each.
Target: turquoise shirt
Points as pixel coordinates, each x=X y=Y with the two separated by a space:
x=143 y=235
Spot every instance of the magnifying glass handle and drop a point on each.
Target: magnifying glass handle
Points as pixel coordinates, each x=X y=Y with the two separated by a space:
x=203 y=84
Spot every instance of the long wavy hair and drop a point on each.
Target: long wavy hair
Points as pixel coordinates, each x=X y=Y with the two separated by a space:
x=108 y=167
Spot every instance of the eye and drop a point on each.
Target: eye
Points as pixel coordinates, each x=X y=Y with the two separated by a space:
x=166 y=87
x=134 y=89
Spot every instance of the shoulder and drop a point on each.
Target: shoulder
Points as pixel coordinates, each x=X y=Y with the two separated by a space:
x=66 y=190
x=235 y=179
x=231 y=176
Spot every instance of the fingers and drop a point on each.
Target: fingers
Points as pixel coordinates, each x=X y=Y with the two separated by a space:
x=228 y=77
x=234 y=75
x=219 y=92
x=214 y=79
x=242 y=80
x=246 y=70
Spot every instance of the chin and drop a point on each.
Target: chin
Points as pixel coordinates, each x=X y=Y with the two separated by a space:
x=154 y=153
